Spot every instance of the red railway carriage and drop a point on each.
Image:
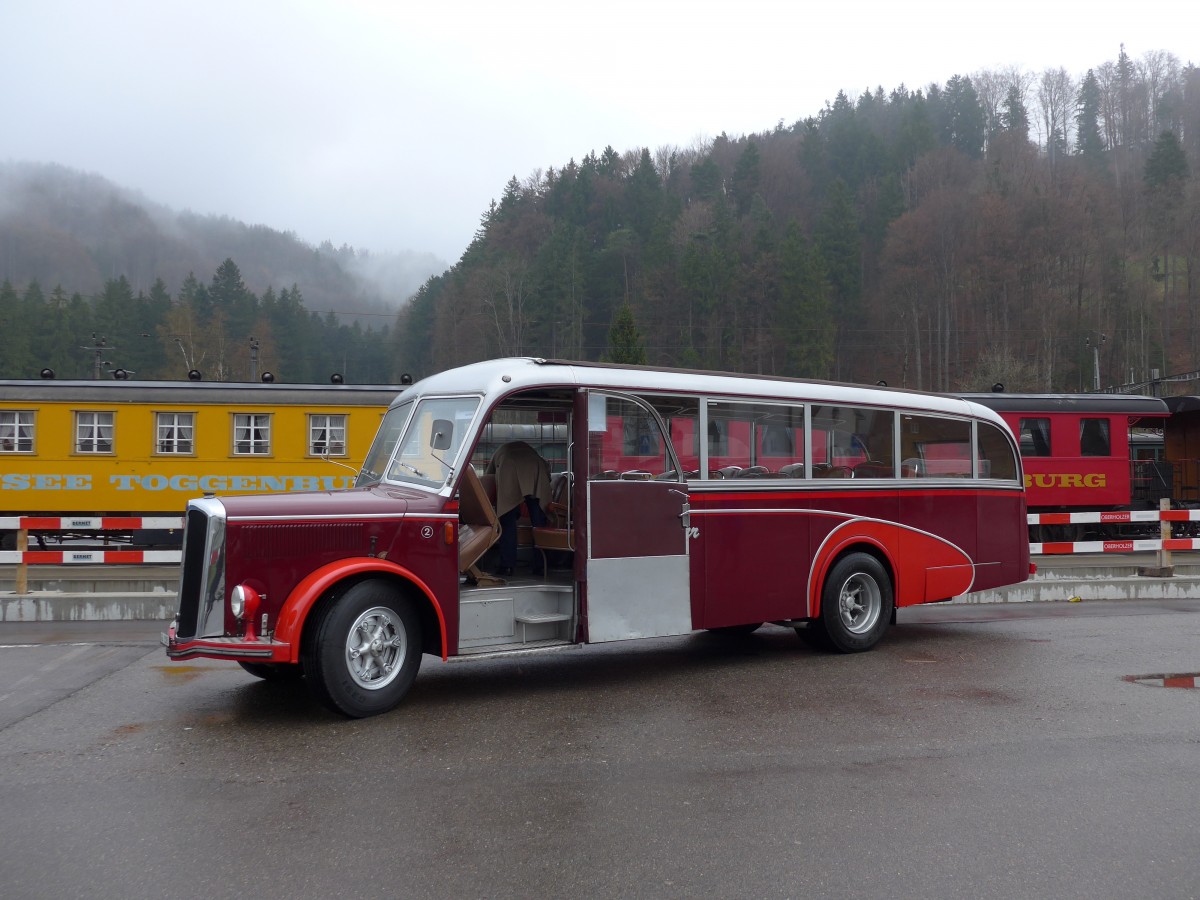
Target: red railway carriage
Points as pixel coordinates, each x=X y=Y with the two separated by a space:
x=1075 y=447
x=680 y=501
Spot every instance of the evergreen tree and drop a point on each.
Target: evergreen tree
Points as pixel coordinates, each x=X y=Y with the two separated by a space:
x=644 y=196
x=804 y=311
x=624 y=339
x=1088 y=142
x=1014 y=118
x=1167 y=167
x=15 y=360
x=746 y=175
x=839 y=240
x=964 y=123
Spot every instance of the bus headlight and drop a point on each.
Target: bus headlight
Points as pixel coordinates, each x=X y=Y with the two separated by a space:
x=243 y=601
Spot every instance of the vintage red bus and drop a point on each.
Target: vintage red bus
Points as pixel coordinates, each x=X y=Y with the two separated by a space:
x=682 y=501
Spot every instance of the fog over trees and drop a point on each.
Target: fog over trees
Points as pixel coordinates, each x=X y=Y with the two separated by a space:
x=83 y=260
x=1003 y=226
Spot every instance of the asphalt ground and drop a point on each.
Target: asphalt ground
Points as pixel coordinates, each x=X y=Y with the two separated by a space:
x=997 y=751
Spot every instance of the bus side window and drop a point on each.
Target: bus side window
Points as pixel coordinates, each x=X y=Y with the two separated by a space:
x=617 y=437
x=996 y=458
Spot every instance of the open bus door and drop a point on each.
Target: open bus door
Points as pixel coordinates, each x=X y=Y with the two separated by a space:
x=637 y=541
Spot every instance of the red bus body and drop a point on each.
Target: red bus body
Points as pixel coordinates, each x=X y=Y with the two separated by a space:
x=786 y=514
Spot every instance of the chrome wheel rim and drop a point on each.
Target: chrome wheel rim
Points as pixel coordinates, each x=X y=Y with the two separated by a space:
x=376 y=646
x=860 y=603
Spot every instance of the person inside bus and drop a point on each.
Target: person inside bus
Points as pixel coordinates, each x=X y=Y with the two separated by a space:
x=522 y=476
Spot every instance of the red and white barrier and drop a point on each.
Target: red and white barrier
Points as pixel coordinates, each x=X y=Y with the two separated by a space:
x=90 y=523
x=1051 y=548
x=1115 y=518
x=88 y=557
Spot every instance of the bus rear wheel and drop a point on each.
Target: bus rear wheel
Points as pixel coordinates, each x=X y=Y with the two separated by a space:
x=365 y=650
x=856 y=603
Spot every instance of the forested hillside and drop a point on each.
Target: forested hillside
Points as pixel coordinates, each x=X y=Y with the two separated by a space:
x=1006 y=226
x=219 y=328
x=82 y=260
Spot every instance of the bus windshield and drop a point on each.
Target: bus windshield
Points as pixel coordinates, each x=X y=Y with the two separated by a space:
x=383 y=445
x=425 y=454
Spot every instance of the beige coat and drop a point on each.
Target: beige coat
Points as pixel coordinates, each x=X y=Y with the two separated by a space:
x=520 y=473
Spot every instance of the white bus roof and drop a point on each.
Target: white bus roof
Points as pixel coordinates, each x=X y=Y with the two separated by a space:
x=499 y=377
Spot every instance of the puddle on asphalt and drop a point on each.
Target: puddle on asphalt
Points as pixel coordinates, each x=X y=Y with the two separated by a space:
x=1178 y=680
x=181 y=673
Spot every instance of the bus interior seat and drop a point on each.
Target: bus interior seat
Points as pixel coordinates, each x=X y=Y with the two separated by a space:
x=556 y=534
x=834 y=472
x=874 y=469
x=913 y=467
x=794 y=470
x=753 y=472
x=478 y=530
x=727 y=472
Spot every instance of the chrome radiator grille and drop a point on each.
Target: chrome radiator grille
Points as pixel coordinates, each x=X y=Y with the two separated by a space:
x=202 y=573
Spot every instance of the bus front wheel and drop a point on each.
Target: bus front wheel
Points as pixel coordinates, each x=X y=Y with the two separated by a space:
x=365 y=650
x=856 y=603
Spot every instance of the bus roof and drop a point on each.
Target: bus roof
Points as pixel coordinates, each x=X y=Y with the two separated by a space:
x=499 y=377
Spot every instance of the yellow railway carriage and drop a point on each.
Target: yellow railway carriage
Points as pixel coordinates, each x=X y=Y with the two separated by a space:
x=144 y=448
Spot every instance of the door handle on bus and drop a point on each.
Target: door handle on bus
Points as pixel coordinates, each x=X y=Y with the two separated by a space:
x=685 y=514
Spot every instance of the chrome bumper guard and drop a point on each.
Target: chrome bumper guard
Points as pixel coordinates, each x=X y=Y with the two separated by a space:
x=224 y=648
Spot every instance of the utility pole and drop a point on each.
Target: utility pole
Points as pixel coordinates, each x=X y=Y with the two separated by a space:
x=253 y=358
x=1095 y=359
x=99 y=345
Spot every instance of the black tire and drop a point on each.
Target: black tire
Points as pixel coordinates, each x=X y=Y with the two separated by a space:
x=746 y=628
x=273 y=671
x=856 y=603
x=364 y=650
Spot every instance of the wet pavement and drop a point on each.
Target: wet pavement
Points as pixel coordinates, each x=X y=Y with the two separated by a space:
x=994 y=751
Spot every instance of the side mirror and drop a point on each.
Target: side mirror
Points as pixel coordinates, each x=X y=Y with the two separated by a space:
x=443 y=433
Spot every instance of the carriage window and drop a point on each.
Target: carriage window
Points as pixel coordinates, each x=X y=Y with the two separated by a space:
x=174 y=432
x=93 y=432
x=326 y=435
x=849 y=442
x=252 y=434
x=934 y=447
x=995 y=454
x=1035 y=437
x=1093 y=438
x=16 y=431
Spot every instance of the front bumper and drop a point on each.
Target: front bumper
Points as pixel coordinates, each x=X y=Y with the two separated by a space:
x=225 y=648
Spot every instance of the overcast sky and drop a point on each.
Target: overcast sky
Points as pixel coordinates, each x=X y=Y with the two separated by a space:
x=390 y=126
